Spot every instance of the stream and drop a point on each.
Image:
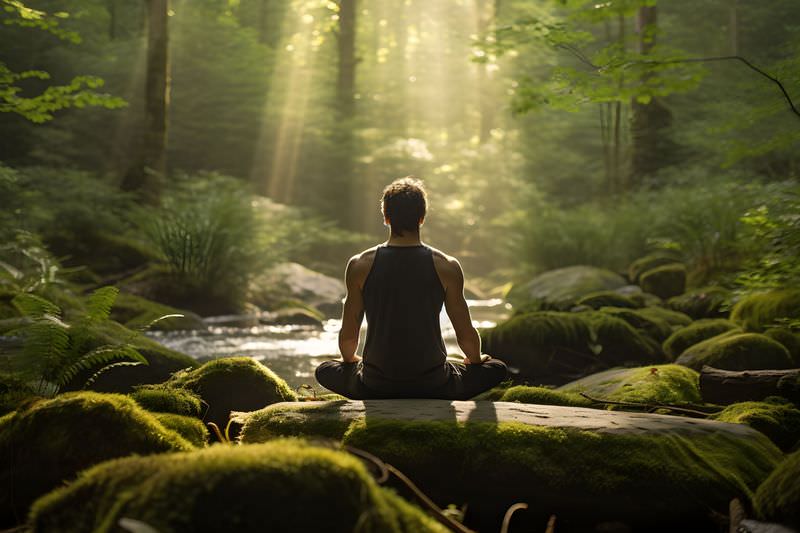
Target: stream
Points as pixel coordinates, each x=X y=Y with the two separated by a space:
x=294 y=351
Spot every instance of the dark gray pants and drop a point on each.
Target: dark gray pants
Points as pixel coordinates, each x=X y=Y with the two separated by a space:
x=464 y=382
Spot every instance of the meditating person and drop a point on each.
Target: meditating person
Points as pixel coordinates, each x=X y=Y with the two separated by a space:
x=400 y=285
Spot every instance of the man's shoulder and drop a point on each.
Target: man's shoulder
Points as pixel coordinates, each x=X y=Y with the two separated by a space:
x=365 y=256
x=444 y=260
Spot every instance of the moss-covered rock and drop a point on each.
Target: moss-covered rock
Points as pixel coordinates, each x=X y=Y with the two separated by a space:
x=188 y=427
x=585 y=465
x=696 y=332
x=655 y=327
x=706 y=302
x=596 y=300
x=233 y=384
x=616 y=342
x=135 y=312
x=789 y=339
x=673 y=318
x=286 y=485
x=165 y=399
x=760 y=311
x=15 y=394
x=665 y=281
x=737 y=351
x=775 y=417
x=778 y=498
x=661 y=384
x=649 y=262
x=53 y=440
x=560 y=289
x=544 y=396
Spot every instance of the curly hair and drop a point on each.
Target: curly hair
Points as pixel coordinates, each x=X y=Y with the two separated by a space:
x=404 y=203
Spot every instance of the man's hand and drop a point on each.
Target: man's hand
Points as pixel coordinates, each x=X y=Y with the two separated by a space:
x=484 y=358
x=353 y=359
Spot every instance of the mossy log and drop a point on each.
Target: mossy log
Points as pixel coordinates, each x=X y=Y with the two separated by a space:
x=724 y=387
x=654 y=472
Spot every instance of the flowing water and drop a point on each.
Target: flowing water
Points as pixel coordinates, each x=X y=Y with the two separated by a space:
x=293 y=351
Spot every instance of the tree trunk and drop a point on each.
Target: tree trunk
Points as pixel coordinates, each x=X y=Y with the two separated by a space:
x=725 y=387
x=146 y=176
x=346 y=76
x=617 y=152
x=733 y=29
x=652 y=147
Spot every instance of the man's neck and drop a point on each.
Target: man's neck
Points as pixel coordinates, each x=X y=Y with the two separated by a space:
x=406 y=239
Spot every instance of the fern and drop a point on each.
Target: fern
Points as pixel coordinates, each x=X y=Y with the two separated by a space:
x=108 y=367
x=34 y=306
x=99 y=304
x=99 y=357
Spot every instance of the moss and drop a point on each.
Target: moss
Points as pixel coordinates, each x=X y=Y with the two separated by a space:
x=737 y=351
x=649 y=262
x=778 y=498
x=190 y=428
x=649 y=480
x=655 y=327
x=789 y=339
x=664 y=281
x=55 y=439
x=619 y=343
x=673 y=318
x=596 y=300
x=291 y=484
x=560 y=289
x=661 y=384
x=495 y=393
x=233 y=384
x=706 y=302
x=544 y=396
x=693 y=333
x=164 y=399
x=135 y=312
x=760 y=311
x=15 y=394
x=779 y=420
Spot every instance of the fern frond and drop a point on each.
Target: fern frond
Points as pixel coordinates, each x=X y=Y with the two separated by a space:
x=159 y=319
x=108 y=367
x=99 y=357
x=100 y=302
x=34 y=306
x=46 y=340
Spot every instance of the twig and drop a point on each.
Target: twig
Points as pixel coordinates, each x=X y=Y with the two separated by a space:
x=507 y=518
x=648 y=406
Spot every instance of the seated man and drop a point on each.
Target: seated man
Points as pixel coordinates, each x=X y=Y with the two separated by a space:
x=401 y=285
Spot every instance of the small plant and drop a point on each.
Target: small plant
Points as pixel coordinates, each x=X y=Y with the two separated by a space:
x=54 y=353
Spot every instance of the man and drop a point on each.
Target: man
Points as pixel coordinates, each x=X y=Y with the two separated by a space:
x=401 y=285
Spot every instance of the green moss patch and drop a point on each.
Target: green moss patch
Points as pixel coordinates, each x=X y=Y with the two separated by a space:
x=596 y=300
x=286 y=485
x=778 y=498
x=649 y=262
x=760 y=311
x=655 y=327
x=544 y=396
x=706 y=302
x=737 y=351
x=136 y=312
x=673 y=318
x=664 y=281
x=53 y=440
x=620 y=343
x=789 y=339
x=661 y=384
x=190 y=428
x=694 y=333
x=233 y=384
x=779 y=420
x=585 y=465
x=165 y=399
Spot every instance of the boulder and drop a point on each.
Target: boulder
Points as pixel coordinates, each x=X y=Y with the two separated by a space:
x=661 y=384
x=649 y=262
x=706 y=302
x=292 y=281
x=599 y=299
x=737 y=351
x=560 y=289
x=135 y=312
x=759 y=311
x=673 y=318
x=543 y=396
x=665 y=281
x=778 y=498
x=584 y=465
x=52 y=440
x=286 y=485
x=653 y=326
x=775 y=417
x=616 y=342
x=233 y=384
x=694 y=333
x=789 y=339
x=164 y=399
x=188 y=427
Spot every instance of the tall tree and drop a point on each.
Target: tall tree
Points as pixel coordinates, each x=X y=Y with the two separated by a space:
x=146 y=175
x=346 y=73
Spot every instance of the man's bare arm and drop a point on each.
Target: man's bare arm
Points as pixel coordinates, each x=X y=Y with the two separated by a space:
x=352 y=314
x=456 y=306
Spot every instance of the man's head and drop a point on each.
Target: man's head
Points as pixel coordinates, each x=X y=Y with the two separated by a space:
x=404 y=205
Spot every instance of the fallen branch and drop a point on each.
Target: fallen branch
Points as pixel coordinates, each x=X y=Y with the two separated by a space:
x=649 y=406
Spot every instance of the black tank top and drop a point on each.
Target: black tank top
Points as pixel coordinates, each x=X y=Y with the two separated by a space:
x=403 y=298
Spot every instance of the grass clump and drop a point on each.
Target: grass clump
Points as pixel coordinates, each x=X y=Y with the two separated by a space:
x=737 y=351
x=759 y=311
x=53 y=440
x=544 y=396
x=775 y=417
x=596 y=300
x=778 y=498
x=664 y=281
x=695 y=332
x=165 y=399
x=190 y=428
x=707 y=302
x=225 y=488
x=661 y=384
x=233 y=384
